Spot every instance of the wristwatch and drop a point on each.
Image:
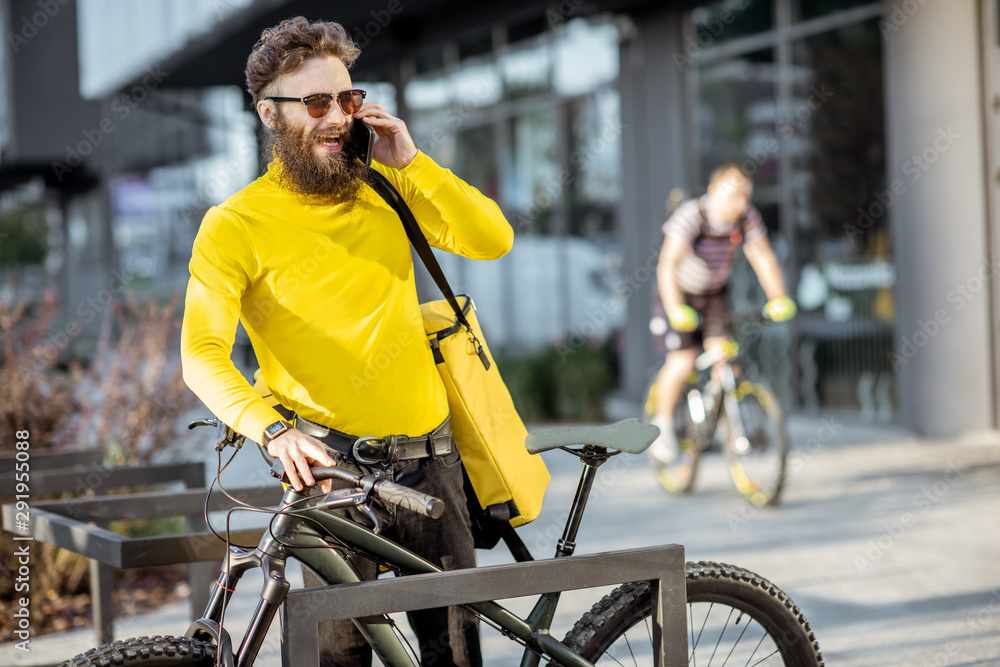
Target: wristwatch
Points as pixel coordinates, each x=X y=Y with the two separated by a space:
x=272 y=431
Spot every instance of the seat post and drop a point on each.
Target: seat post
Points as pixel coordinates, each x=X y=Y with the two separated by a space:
x=593 y=458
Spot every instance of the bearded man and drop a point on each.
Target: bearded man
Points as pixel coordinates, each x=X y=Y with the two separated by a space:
x=318 y=269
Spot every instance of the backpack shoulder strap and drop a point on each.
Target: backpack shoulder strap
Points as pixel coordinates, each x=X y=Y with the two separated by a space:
x=386 y=191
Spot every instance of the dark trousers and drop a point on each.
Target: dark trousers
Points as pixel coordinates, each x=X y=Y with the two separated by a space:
x=448 y=635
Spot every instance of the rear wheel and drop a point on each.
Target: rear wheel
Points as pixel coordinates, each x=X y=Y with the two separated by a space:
x=734 y=617
x=148 y=652
x=678 y=476
x=757 y=461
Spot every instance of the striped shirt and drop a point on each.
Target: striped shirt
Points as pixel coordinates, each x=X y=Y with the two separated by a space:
x=705 y=270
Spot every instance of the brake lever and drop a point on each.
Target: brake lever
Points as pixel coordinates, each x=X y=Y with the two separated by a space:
x=370 y=513
x=226 y=436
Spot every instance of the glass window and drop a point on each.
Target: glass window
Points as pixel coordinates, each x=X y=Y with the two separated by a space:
x=725 y=20
x=586 y=58
x=803 y=10
x=594 y=164
x=840 y=198
x=834 y=130
x=526 y=70
x=533 y=187
x=538 y=129
x=474 y=153
x=735 y=121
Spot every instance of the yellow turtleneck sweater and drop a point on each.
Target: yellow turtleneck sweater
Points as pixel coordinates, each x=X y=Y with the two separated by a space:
x=328 y=298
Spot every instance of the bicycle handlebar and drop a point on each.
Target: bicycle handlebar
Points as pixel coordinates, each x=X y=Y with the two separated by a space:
x=390 y=492
x=411 y=499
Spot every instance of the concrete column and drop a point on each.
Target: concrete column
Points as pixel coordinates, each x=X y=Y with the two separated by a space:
x=938 y=215
x=654 y=150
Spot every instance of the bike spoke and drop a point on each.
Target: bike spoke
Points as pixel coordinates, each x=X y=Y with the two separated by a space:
x=745 y=628
x=691 y=659
x=718 y=642
x=695 y=641
x=630 y=651
x=766 y=657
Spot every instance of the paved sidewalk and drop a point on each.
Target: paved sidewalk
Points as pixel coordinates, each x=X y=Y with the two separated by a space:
x=888 y=543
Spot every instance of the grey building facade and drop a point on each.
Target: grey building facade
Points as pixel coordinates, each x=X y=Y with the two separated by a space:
x=869 y=129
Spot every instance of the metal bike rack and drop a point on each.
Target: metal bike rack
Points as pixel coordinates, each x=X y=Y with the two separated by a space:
x=75 y=524
x=303 y=610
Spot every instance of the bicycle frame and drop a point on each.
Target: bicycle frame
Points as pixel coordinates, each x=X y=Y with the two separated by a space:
x=716 y=362
x=293 y=533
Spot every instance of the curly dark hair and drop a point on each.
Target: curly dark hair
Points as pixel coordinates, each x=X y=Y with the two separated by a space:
x=283 y=48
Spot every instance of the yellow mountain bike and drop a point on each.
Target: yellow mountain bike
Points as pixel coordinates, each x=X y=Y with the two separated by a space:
x=720 y=409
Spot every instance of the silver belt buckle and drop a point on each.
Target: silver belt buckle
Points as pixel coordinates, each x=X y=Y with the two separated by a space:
x=357 y=455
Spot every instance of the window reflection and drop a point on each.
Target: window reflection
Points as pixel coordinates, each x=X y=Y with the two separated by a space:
x=809 y=129
x=809 y=9
x=724 y=20
x=537 y=127
x=737 y=122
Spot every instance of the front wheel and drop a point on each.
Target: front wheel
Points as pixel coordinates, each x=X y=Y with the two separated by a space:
x=757 y=460
x=734 y=616
x=148 y=652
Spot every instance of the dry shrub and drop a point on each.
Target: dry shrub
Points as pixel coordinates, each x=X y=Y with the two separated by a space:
x=125 y=400
x=132 y=394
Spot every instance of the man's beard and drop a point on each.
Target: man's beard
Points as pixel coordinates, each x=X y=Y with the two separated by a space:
x=330 y=179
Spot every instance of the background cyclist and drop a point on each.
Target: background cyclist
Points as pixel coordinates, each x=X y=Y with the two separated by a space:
x=701 y=240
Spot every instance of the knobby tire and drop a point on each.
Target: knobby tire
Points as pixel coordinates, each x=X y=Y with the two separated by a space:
x=148 y=652
x=733 y=615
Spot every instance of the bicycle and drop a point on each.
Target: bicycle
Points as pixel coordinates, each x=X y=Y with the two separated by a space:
x=732 y=612
x=719 y=409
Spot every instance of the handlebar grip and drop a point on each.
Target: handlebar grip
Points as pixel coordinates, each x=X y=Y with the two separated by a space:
x=411 y=499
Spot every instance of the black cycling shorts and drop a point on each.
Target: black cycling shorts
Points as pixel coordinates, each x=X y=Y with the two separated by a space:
x=713 y=312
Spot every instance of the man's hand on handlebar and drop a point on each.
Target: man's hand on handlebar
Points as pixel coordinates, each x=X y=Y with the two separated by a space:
x=780 y=309
x=683 y=318
x=297 y=452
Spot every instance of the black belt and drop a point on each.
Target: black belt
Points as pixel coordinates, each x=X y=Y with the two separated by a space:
x=389 y=449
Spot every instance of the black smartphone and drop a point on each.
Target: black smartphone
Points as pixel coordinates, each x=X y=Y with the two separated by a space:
x=362 y=141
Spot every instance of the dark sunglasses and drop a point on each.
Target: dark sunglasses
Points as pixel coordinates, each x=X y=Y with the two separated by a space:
x=318 y=104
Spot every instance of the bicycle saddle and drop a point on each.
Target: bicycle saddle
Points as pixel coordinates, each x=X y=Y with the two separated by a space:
x=629 y=435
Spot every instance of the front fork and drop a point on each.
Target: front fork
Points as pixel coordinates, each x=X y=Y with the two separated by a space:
x=270 y=557
x=737 y=434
